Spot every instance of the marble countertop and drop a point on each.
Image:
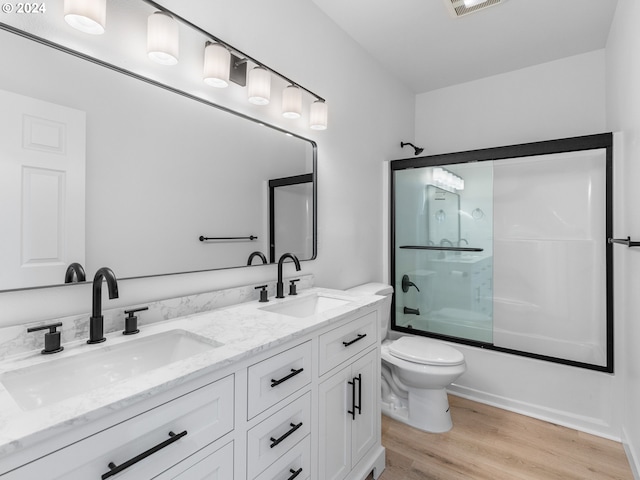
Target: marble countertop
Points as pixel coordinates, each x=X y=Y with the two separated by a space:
x=243 y=329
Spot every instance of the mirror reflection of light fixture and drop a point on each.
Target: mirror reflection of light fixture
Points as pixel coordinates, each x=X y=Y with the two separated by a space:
x=447 y=180
x=88 y=16
x=259 y=86
x=217 y=62
x=291 y=102
x=318 y=115
x=163 y=38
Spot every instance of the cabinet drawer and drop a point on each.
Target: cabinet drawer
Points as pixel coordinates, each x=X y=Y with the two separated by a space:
x=277 y=377
x=342 y=343
x=276 y=435
x=205 y=414
x=203 y=466
x=296 y=463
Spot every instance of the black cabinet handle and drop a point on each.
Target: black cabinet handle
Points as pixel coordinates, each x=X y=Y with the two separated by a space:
x=295 y=473
x=359 y=406
x=360 y=337
x=276 y=441
x=293 y=373
x=115 y=469
x=352 y=412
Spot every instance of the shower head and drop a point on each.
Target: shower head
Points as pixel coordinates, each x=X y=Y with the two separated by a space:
x=417 y=150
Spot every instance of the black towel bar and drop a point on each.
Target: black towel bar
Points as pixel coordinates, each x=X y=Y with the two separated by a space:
x=624 y=241
x=250 y=237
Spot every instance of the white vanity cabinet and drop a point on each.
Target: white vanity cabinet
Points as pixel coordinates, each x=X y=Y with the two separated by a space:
x=348 y=398
x=306 y=408
x=145 y=445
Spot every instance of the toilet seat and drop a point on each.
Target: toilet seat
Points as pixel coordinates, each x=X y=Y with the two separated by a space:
x=424 y=351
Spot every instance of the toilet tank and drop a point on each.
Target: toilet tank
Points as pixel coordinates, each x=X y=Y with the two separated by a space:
x=383 y=290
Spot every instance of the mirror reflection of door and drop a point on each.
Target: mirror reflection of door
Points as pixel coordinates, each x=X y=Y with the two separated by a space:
x=291 y=216
x=42 y=190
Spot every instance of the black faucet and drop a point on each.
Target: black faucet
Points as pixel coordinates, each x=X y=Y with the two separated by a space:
x=96 y=322
x=257 y=254
x=280 y=285
x=75 y=270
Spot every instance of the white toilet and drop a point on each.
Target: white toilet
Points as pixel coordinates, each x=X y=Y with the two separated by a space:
x=415 y=373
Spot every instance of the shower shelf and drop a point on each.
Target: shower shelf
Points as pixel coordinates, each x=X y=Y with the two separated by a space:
x=625 y=241
x=449 y=249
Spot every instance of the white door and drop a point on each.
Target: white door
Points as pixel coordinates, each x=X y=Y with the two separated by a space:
x=335 y=426
x=366 y=424
x=42 y=191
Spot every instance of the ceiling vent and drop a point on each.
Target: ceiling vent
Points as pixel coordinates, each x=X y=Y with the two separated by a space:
x=459 y=8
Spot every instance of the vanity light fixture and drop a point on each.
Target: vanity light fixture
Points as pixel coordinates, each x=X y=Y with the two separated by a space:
x=259 y=86
x=217 y=65
x=291 y=102
x=88 y=16
x=318 y=115
x=163 y=38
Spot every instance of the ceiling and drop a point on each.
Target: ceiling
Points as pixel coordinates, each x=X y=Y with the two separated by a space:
x=426 y=48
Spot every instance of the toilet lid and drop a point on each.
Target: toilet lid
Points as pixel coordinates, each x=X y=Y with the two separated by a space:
x=425 y=351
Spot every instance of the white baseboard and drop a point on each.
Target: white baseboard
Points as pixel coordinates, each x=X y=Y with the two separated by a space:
x=593 y=426
x=634 y=461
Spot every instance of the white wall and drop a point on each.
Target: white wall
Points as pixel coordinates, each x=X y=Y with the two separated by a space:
x=559 y=99
x=369 y=113
x=564 y=98
x=623 y=115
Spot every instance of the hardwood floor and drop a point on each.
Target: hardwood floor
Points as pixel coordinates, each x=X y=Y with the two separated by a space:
x=488 y=443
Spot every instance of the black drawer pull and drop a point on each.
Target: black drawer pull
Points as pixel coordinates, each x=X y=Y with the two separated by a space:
x=115 y=469
x=295 y=473
x=276 y=441
x=360 y=337
x=294 y=372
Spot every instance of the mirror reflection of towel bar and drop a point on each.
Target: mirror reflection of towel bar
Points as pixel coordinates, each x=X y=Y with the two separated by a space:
x=250 y=237
x=450 y=249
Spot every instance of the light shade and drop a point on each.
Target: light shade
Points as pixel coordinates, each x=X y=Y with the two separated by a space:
x=259 y=86
x=88 y=16
x=318 y=115
x=217 y=64
x=472 y=3
x=291 y=102
x=163 y=38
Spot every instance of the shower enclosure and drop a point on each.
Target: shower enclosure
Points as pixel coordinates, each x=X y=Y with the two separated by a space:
x=506 y=249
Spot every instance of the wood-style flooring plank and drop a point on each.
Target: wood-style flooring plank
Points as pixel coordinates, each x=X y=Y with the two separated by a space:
x=488 y=443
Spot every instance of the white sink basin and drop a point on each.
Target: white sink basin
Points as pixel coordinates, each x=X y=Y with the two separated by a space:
x=58 y=379
x=306 y=306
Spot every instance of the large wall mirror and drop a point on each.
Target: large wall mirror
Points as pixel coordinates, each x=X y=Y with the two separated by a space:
x=106 y=169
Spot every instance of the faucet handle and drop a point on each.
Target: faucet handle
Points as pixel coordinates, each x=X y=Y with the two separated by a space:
x=51 y=339
x=131 y=322
x=292 y=286
x=263 y=293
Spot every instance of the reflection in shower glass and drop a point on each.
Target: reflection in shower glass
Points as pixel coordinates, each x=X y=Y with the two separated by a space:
x=445 y=252
x=515 y=260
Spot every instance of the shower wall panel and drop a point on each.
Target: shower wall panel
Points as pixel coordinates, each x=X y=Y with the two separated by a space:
x=549 y=256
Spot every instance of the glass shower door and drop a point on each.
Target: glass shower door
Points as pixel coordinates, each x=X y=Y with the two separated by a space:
x=443 y=250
